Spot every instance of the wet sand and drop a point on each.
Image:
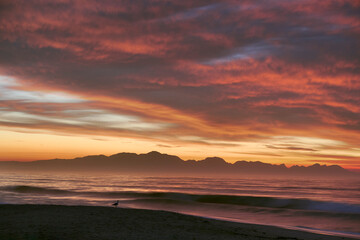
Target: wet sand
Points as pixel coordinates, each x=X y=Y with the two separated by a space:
x=40 y=222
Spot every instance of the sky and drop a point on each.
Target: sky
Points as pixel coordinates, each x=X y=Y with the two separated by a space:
x=276 y=81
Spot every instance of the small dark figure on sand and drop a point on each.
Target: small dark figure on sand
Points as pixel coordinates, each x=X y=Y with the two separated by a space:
x=116 y=203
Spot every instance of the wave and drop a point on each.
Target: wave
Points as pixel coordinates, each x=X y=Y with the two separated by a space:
x=247 y=201
x=322 y=188
x=33 y=189
x=266 y=202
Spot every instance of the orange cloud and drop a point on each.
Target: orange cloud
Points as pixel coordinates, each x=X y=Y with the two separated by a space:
x=189 y=72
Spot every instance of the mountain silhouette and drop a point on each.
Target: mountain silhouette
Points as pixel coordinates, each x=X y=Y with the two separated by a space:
x=158 y=163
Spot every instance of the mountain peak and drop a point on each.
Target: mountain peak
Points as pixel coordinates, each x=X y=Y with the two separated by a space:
x=214 y=160
x=154 y=153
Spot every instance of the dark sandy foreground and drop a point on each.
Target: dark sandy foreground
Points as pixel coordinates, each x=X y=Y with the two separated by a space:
x=81 y=222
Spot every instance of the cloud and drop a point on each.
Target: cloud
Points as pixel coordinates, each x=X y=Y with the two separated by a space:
x=10 y=91
x=259 y=154
x=165 y=146
x=339 y=157
x=221 y=69
x=291 y=148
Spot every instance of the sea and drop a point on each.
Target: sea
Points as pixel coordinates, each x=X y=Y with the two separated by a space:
x=326 y=206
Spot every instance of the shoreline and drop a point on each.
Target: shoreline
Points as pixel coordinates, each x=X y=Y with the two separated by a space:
x=18 y=222
x=346 y=235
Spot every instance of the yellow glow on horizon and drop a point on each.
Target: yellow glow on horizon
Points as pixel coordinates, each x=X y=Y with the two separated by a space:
x=29 y=145
x=25 y=145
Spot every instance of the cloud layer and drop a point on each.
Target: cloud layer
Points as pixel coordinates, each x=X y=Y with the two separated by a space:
x=213 y=70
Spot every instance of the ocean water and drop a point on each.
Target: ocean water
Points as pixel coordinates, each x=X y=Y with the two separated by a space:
x=317 y=205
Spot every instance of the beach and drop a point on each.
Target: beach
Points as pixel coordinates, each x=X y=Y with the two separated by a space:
x=91 y=222
x=39 y=200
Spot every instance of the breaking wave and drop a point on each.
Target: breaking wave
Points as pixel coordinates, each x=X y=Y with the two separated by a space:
x=185 y=198
x=33 y=189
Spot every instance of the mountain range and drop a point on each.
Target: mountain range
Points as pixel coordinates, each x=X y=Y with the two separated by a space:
x=158 y=163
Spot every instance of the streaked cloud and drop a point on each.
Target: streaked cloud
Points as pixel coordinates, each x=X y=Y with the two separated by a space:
x=33 y=108
x=10 y=90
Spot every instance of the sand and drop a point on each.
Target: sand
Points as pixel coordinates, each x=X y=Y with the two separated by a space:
x=52 y=222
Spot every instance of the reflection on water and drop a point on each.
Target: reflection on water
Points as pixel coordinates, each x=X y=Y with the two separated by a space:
x=312 y=204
